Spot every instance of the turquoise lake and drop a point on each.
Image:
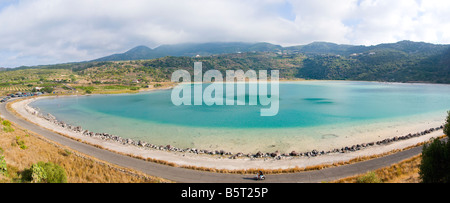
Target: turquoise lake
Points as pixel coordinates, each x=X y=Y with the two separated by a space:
x=312 y=115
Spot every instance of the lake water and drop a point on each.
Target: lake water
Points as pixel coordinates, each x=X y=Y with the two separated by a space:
x=312 y=115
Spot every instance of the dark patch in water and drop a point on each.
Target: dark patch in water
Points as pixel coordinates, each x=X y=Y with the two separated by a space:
x=325 y=102
x=319 y=100
x=315 y=99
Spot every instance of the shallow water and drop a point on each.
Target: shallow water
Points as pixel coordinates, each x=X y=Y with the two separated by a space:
x=312 y=115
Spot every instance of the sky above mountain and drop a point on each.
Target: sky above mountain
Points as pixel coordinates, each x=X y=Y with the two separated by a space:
x=34 y=32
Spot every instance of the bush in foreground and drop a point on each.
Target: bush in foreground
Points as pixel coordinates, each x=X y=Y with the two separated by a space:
x=7 y=126
x=435 y=165
x=3 y=167
x=45 y=173
x=447 y=125
x=38 y=174
x=55 y=173
x=369 y=178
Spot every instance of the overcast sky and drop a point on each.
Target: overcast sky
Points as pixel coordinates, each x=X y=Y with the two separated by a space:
x=36 y=32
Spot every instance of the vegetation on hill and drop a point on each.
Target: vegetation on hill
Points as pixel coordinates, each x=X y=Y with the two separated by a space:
x=404 y=61
x=386 y=65
x=316 y=48
x=191 y=50
x=400 y=62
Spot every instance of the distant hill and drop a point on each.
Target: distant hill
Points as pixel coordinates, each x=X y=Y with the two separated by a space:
x=404 y=61
x=191 y=50
x=321 y=48
x=407 y=47
x=316 y=48
x=137 y=53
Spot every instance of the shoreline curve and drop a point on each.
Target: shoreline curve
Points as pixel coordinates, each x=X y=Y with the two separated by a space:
x=192 y=159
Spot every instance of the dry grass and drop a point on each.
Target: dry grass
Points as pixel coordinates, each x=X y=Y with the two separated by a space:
x=406 y=171
x=80 y=168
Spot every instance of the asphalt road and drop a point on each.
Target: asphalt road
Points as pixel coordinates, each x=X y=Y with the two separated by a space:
x=193 y=176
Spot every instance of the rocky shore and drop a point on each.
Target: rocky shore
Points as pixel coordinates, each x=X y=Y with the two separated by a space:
x=273 y=155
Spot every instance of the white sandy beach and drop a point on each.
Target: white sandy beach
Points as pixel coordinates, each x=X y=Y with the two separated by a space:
x=189 y=159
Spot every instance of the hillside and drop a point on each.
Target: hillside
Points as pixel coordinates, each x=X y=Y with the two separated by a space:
x=316 y=48
x=137 y=53
x=404 y=61
x=191 y=50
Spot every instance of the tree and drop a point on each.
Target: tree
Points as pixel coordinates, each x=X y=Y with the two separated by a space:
x=435 y=165
x=47 y=89
x=73 y=78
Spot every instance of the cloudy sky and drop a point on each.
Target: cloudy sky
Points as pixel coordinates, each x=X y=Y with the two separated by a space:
x=36 y=32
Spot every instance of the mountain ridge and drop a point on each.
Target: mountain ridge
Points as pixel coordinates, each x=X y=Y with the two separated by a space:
x=316 y=48
x=404 y=61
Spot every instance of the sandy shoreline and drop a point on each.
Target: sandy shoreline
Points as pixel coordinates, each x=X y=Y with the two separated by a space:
x=219 y=162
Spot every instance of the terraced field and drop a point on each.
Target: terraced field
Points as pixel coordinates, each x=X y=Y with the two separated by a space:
x=15 y=88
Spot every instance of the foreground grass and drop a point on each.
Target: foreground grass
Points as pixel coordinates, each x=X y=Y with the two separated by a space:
x=22 y=149
x=406 y=171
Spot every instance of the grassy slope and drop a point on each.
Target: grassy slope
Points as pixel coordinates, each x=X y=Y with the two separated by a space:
x=80 y=168
x=406 y=171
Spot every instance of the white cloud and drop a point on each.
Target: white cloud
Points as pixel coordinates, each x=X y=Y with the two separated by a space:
x=55 y=31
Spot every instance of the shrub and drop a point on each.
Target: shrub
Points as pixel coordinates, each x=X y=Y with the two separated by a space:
x=3 y=167
x=65 y=152
x=44 y=173
x=21 y=143
x=54 y=172
x=47 y=89
x=8 y=129
x=369 y=178
x=38 y=174
x=435 y=165
x=447 y=125
x=7 y=126
x=6 y=123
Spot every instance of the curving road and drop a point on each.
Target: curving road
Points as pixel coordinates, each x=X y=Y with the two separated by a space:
x=193 y=176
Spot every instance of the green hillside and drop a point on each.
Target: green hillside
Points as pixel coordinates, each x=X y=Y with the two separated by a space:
x=404 y=61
